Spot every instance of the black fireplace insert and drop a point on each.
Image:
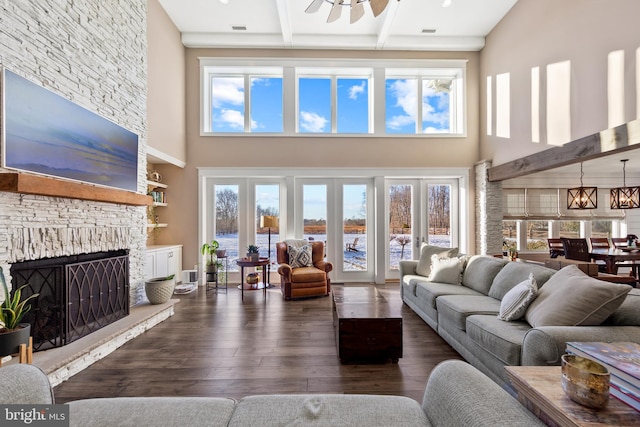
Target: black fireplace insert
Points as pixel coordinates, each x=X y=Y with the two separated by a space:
x=78 y=294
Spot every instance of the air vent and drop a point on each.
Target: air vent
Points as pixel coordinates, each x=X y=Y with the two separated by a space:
x=239 y=27
x=428 y=30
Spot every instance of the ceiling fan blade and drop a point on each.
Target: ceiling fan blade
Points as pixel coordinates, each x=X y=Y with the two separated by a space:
x=378 y=6
x=357 y=12
x=336 y=9
x=314 y=6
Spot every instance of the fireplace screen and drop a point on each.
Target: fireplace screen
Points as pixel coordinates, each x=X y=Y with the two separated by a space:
x=77 y=295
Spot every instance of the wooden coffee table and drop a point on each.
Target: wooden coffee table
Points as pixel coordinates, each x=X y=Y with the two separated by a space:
x=540 y=390
x=368 y=329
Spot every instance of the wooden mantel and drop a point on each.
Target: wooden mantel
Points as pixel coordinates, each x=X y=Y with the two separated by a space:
x=14 y=182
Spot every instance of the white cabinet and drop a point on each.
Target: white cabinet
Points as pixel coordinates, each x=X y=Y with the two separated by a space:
x=163 y=261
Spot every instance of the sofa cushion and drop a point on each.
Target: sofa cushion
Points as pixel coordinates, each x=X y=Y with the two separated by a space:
x=517 y=300
x=328 y=410
x=307 y=275
x=410 y=281
x=430 y=291
x=627 y=314
x=517 y=272
x=480 y=272
x=453 y=310
x=152 y=411
x=446 y=270
x=427 y=251
x=502 y=339
x=571 y=298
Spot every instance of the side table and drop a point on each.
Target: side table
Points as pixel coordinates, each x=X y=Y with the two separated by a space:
x=539 y=389
x=244 y=262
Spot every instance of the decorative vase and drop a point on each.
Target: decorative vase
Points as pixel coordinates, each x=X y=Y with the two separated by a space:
x=221 y=253
x=10 y=341
x=255 y=257
x=159 y=290
x=253 y=278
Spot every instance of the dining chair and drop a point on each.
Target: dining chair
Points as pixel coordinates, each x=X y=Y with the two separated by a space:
x=599 y=243
x=622 y=242
x=556 y=248
x=576 y=249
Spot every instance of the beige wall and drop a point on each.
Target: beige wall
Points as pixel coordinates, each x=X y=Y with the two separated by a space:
x=166 y=85
x=304 y=151
x=537 y=33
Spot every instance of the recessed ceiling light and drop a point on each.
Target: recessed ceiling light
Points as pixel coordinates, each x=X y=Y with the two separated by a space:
x=428 y=30
x=445 y=3
x=224 y=1
x=239 y=27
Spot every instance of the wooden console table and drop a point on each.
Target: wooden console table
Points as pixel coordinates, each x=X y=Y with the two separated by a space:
x=539 y=389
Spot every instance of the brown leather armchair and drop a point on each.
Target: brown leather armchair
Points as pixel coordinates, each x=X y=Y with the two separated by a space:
x=304 y=281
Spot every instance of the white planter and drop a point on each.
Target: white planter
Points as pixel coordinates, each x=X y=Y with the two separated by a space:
x=159 y=290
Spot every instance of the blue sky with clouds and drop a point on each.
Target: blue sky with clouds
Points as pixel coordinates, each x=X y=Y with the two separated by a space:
x=314 y=106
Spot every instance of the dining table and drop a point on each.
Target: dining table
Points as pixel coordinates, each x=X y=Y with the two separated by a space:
x=614 y=256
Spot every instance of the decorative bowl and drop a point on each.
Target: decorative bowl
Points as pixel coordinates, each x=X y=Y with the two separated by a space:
x=585 y=381
x=253 y=278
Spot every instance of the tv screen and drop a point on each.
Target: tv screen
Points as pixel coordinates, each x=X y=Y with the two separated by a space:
x=47 y=134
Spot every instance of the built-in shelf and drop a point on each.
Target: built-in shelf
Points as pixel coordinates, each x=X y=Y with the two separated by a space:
x=157 y=225
x=14 y=182
x=159 y=204
x=155 y=184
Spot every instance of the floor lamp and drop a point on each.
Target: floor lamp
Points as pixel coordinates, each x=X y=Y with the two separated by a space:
x=269 y=221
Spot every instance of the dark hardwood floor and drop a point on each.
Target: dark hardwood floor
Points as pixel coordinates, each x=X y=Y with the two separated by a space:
x=215 y=345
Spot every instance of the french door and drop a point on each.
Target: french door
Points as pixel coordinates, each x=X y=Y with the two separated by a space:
x=419 y=211
x=339 y=211
x=369 y=220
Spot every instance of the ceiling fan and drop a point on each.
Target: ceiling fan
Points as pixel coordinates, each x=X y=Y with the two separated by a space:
x=357 y=8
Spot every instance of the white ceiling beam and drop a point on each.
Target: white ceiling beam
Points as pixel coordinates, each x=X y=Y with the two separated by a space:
x=389 y=16
x=285 y=24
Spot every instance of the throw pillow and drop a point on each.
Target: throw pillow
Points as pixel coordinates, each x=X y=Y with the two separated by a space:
x=426 y=251
x=446 y=270
x=300 y=257
x=515 y=302
x=571 y=298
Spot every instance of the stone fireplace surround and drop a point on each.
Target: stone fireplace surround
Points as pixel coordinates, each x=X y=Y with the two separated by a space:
x=35 y=227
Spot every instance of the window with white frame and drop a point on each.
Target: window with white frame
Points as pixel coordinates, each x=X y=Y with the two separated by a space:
x=244 y=100
x=292 y=97
x=531 y=216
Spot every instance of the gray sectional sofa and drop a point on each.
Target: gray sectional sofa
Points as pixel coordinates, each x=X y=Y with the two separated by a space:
x=456 y=394
x=466 y=314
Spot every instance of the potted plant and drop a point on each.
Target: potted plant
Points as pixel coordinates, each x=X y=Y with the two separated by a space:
x=12 y=310
x=159 y=289
x=253 y=253
x=210 y=249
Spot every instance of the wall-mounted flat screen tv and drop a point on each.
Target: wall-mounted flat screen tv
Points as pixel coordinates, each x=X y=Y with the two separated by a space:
x=44 y=133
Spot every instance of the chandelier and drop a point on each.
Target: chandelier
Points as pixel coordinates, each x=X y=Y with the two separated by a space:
x=356 y=6
x=582 y=197
x=625 y=197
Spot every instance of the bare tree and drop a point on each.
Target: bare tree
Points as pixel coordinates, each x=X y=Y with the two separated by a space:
x=226 y=211
x=399 y=206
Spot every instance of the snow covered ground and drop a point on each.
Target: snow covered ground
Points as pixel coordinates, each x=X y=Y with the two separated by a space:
x=354 y=260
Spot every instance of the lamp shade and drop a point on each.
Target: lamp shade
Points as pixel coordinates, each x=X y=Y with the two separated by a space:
x=268 y=221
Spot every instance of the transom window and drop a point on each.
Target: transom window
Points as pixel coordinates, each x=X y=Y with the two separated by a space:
x=305 y=96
